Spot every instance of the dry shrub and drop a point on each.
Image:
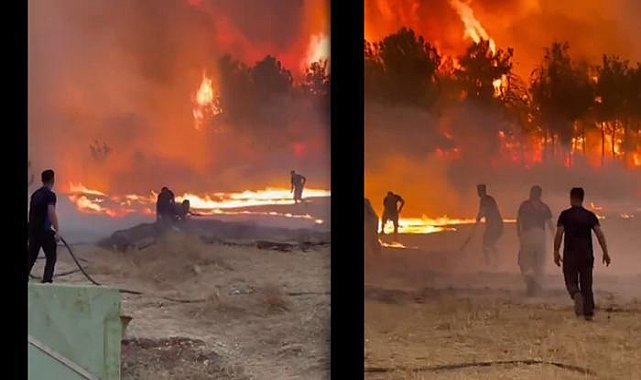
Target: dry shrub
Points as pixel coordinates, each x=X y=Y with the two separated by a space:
x=273 y=298
x=173 y=258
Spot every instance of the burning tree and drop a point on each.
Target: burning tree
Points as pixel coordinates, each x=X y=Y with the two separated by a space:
x=562 y=94
x=616 y=103
x=481 y=69
x=406 y=66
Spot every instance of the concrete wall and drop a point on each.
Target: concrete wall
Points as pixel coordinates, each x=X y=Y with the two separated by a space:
x=81 y=323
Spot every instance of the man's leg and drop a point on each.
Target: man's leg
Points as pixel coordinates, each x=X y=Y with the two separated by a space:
x=32 y=252
x=49 y=246
x=384 y=220
x=585 y=280
x=571 y=277
x=395 y=222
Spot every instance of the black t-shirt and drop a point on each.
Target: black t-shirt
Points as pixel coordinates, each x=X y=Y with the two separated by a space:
x=577 y=223
x=490 y=210
x=390 y=203
x=534 y=215
x=39 y=210
x=165 y=202
x=297 y=180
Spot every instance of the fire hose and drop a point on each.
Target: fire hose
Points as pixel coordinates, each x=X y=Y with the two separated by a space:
x=122 y=290
x=139 y=293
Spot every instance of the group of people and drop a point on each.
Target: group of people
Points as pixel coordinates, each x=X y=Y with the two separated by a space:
x=44 y=230
x=574 y=228
x=168 y=212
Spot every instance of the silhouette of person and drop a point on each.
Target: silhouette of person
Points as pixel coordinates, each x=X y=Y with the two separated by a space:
x=298 y=182
x=391 y=210
x=532 y=217
x=165 y=207
x=489 y=210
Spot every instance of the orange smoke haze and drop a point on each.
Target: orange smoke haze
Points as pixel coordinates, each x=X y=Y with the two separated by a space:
x=592 y=27
x=434 y=158
x=116 y=87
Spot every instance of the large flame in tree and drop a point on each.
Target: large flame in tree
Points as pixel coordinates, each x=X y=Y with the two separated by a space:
x=91 y=201
x=206 y=102
x=475 y=31
x=318 y=49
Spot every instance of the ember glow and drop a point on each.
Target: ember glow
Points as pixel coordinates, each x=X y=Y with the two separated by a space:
x=426 y=225
x=92 y=201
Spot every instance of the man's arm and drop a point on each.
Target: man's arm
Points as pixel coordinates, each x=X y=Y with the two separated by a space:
x=557 y=244
x=518 y=221
x=402 y=204
x=292 y=181
x=481 y=212
x=304 y=180
x=601 y=238
x=550 y=225
x=53 y=217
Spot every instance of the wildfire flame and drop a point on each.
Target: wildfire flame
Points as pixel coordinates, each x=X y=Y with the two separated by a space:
x=318 y=49
x=206 y=102
x=476 y=32
x=92 y=201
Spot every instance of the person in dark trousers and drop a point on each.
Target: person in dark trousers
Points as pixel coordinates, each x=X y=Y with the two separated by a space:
x=391 y=210
x=489 y=210
x=44 y=231
x=165 y=207
x=575 y=228
x=533 y=216
x=298 y=182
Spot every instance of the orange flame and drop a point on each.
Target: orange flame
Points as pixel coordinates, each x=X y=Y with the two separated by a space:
x=476 y=32
x=318 y=49
x=206 y=102
x=235 y=203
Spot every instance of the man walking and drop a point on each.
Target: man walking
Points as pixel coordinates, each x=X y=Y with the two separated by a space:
x=533 y=216
x=43 y=226
x=298 y=182
x=489 y=210
x=575 y=228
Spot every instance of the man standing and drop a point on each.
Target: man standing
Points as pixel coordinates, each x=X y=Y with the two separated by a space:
x=391 y=210
x=165 y=206
x=532 y=218
x=298 y=182
x=43 y=226
x=489 y=210
x=577 y=224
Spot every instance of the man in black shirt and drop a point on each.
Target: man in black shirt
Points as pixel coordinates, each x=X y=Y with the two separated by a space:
x=532 y=218
x=391 y=209
x=489 y=210
x=577 y=224
x=165 y=207
x=298 y=182
x=43 y=226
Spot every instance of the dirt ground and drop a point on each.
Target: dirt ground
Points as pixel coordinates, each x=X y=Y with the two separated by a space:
x=260 y=314
x=436 y=312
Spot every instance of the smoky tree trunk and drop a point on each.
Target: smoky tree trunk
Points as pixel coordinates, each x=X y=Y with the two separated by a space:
x=613 y=142
x=602 y=129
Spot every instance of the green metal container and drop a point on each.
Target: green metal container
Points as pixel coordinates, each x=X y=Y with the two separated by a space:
x=74 y=332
